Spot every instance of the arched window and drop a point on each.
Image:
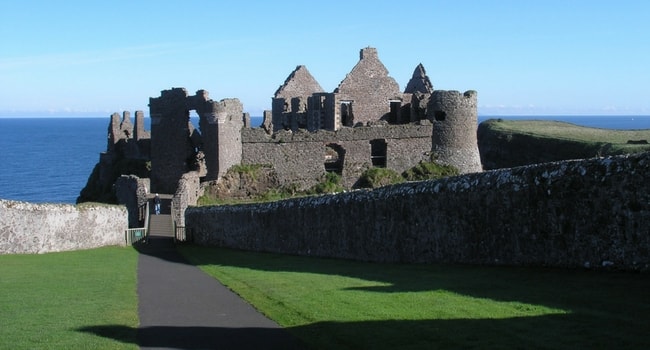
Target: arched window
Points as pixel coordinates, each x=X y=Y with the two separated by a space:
x=334 y=158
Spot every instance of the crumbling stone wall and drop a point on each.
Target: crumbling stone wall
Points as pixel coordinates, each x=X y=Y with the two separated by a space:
x=370 y=87
x=366 y=95
x=290 y=100
x=132 y=192
x=222 y=126
x=590 y=213
x=43 y=228
x=188 y=193
x=126 y=140
x=127 y=151
x=299 y=157
x=418 y=90
x=177 y=147
x=171 y=144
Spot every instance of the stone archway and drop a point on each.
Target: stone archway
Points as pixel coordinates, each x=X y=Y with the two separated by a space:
x=334 y=158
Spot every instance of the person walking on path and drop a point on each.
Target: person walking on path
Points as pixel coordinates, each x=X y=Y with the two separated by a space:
x=156 y=204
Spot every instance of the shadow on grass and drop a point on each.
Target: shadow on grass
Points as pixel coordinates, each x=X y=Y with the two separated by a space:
x=605 y=310
x=557 y=288
x=542 y=332
x=611 y=307
x=190 y=337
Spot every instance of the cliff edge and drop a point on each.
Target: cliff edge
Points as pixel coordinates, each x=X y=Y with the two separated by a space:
x=511 y=143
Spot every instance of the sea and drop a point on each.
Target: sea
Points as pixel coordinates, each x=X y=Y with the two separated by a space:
x=49 y=159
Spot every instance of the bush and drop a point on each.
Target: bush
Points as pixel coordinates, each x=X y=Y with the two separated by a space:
x=378 y=177
x=331 y=184
x=428 y=171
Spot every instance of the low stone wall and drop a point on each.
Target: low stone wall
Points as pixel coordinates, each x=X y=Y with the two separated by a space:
x=590 y=213
x=43 y=228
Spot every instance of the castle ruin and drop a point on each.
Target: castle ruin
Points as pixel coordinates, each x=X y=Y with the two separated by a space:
x=365 y=122
x=177 y=147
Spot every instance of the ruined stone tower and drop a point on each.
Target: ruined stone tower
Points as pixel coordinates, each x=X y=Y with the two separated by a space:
x=455 y=121
x=221 y=124
x=171 y=145
x=177 y=147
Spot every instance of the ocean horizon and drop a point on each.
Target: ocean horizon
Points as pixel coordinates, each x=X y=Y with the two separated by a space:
x=49 y=159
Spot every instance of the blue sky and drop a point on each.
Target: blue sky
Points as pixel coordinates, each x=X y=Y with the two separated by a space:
x=523 y=57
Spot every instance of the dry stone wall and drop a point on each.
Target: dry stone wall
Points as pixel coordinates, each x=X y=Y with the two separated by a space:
x=132 y=192
x=299 y=157
x=593 y=213
x=43 y=228
x=188 y=193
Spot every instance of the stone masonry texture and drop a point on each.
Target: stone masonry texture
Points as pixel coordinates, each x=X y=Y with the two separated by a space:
x=588 y=213
x=455 y=119
x=298 y=157
x=370 y=86
x=43 y=228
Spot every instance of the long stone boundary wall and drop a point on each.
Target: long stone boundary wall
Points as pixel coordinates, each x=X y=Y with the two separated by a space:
x=586 y=213
x=43 y=228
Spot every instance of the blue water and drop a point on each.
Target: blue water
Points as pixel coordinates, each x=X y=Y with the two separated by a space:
x=50 y=159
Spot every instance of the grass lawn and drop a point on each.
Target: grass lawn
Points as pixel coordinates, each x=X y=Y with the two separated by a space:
x=335 y=304
x=46 y=301
x=556 y=129
x=617 y=139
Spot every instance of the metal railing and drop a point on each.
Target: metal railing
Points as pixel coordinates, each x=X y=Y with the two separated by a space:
x=139 y=234
x=136 y=235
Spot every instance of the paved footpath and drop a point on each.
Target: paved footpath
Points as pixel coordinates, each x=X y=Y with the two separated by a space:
x=181 y=307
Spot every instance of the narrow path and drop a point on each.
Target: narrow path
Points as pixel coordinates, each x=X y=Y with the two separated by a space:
x=181 y=307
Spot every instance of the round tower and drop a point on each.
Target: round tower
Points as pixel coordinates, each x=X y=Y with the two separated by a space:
x=455 y=121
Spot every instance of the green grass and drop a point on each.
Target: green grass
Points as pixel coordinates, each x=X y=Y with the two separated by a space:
x=46 y=301
x=616 y=139
x=354 y=305
x=429 y=170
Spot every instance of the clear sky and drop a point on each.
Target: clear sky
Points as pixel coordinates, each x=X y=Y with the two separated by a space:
x=523 y=57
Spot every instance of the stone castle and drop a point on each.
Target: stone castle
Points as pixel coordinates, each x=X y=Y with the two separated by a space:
x=366 y=122
x=591 y=213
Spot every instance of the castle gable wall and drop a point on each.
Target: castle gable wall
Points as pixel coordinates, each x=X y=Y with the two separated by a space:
x=369 y=88
x=289 y=103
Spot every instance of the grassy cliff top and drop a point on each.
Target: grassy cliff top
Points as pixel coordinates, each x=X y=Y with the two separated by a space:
x=509 y=143
x=567 y=131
